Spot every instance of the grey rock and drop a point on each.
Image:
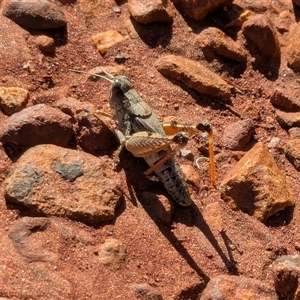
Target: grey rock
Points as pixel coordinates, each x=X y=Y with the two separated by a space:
x=68 y=171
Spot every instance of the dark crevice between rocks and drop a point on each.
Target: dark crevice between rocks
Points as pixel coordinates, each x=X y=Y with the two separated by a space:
x=281 y=218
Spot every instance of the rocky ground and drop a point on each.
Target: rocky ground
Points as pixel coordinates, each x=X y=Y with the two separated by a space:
x=74 y=225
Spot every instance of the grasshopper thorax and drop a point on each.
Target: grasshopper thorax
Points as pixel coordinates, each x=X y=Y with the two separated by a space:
x=120 y=88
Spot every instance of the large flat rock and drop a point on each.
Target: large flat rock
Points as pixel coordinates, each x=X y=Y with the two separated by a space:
x=54 y=181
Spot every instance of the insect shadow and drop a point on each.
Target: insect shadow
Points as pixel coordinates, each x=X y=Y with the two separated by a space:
x=190 y=216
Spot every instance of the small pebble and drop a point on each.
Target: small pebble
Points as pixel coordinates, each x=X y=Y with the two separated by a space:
x=45 y=43
x=273 y=142
x=297 y=246
x=117 y=9
x=187 y=154
x=120 y=58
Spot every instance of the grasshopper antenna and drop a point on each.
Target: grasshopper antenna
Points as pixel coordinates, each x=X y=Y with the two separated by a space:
x=109 y=78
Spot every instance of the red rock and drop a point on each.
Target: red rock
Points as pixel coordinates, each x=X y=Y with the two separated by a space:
x=191 y=175
x=284 y=21
x=214 y=41
x=55 y=181
x=285 y=99
x=294 y=133
x=16 y=50
x=261 y=33
x=45 y=43
x=292 y=53
x=237 y=288
x=251 y=110
x=237 y=135
x=150 y=11
x=105 y=40
x=256 y=185
x=241 y=19
x=194 y=75
x=93 y=132
x=286 y=271
x=292 y=152
x=13 y=99
x=213 y=216
x=198 y=9
x=39 y=124
x=24 y=234
x=288 y=119
x=36 y=14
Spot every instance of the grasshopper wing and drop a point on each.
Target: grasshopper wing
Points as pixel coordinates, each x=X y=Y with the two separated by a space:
x=142 y=118
x=124 y=97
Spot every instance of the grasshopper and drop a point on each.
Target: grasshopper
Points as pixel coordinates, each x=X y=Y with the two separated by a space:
x=140 y=131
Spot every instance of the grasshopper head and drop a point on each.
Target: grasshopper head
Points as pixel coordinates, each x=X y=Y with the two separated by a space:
x=122 y=83
x=120 y=86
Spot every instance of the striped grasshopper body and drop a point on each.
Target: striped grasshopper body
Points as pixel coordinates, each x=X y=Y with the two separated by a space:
x=135 y=115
